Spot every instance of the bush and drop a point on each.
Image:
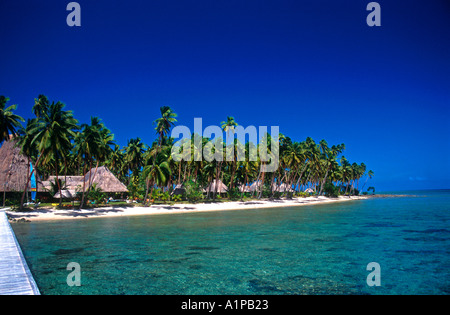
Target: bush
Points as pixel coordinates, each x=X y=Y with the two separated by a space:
x=177 y=198
x=193 y=191
x=96 y=194
x=276 y=195
x=331 y=190
x=234 y=193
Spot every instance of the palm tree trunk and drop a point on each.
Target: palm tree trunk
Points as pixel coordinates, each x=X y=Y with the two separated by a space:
x=59 y=184
x=365 y=183
x=244 y=187
x=84 y=187
x=262 y=181
x=146 y=191
x=233 y=170
x=256 y=184
x=325 y=178
x=28 y=180
x=91 y=177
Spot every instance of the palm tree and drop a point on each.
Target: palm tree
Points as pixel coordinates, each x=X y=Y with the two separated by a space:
x=8 y=120
x=229 y=126
x=52 y=134
x=165 y=122
x=116 y=162
x=93 y=143
x=156 y=171
x=247 y=170
x=370 y=174
x=134 y=154
x=41 y=105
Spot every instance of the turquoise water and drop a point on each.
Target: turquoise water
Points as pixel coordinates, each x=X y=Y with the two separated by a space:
x=321 y=249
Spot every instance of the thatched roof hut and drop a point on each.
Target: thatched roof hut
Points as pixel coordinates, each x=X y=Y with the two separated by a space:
x=66 y=193
x=14 y=168
x=70 y=182
x=255 y=186
x=309 y=190
x=104 y=179
x=283 y=188
x=179 y=190
x=221 y=187
x=244 y=188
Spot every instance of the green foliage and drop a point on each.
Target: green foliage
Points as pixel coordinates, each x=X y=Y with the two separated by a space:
x=176 y=198
x=371 y=189
x=163 y=196
x=193 y=191
x=96 y=194
x=266 y=191
x=276 y=194
x=234 y=193
x=54 y=186
x=331 y=190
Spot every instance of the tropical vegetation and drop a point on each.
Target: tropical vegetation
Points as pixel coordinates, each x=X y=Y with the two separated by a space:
x=58 y=145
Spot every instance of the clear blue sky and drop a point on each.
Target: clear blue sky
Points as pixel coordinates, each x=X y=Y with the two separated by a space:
x=314 y=68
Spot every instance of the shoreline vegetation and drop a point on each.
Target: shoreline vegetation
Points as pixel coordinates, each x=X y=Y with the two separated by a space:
x=50 y=214
x=58 y=147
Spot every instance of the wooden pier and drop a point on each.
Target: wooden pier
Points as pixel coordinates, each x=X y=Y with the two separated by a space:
x=15 y=276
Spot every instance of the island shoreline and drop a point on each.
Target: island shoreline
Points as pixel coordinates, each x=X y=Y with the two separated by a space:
x=119 y=211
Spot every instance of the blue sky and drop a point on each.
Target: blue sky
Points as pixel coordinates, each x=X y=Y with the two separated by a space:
x=314 y=68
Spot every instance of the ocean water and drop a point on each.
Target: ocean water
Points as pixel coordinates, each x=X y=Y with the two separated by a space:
x=320 y=249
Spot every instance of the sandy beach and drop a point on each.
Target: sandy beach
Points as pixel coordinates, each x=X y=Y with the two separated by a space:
x=117 y=211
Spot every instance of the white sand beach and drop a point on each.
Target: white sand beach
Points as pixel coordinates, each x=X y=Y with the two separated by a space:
x=117 y=211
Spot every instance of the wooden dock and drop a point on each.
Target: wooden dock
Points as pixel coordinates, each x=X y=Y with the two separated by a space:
x=15 y=276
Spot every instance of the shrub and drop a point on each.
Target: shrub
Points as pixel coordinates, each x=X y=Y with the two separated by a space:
x=193 y=191
x=331 y=190
x=176 y=198
x=234 y=193
x=96 y=194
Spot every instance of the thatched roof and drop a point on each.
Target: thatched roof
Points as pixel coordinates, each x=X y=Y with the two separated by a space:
x=70 y=182
x=282 y=188
x=309 y=190
x=221 y=187
x=68 y=194
x=255 y=186
x=104 y=179
x=14 y=168
x=244 y=188
x=178 y=190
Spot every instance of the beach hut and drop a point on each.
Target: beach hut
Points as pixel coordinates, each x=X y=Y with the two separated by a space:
x=255 y=186
x=178 y=190
x=309 y=190
x=15 y=169
x=283 y=188
x=104 y=179
x=71 y=182
x=221 y=187
x=244 y=188
x=66 y=194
